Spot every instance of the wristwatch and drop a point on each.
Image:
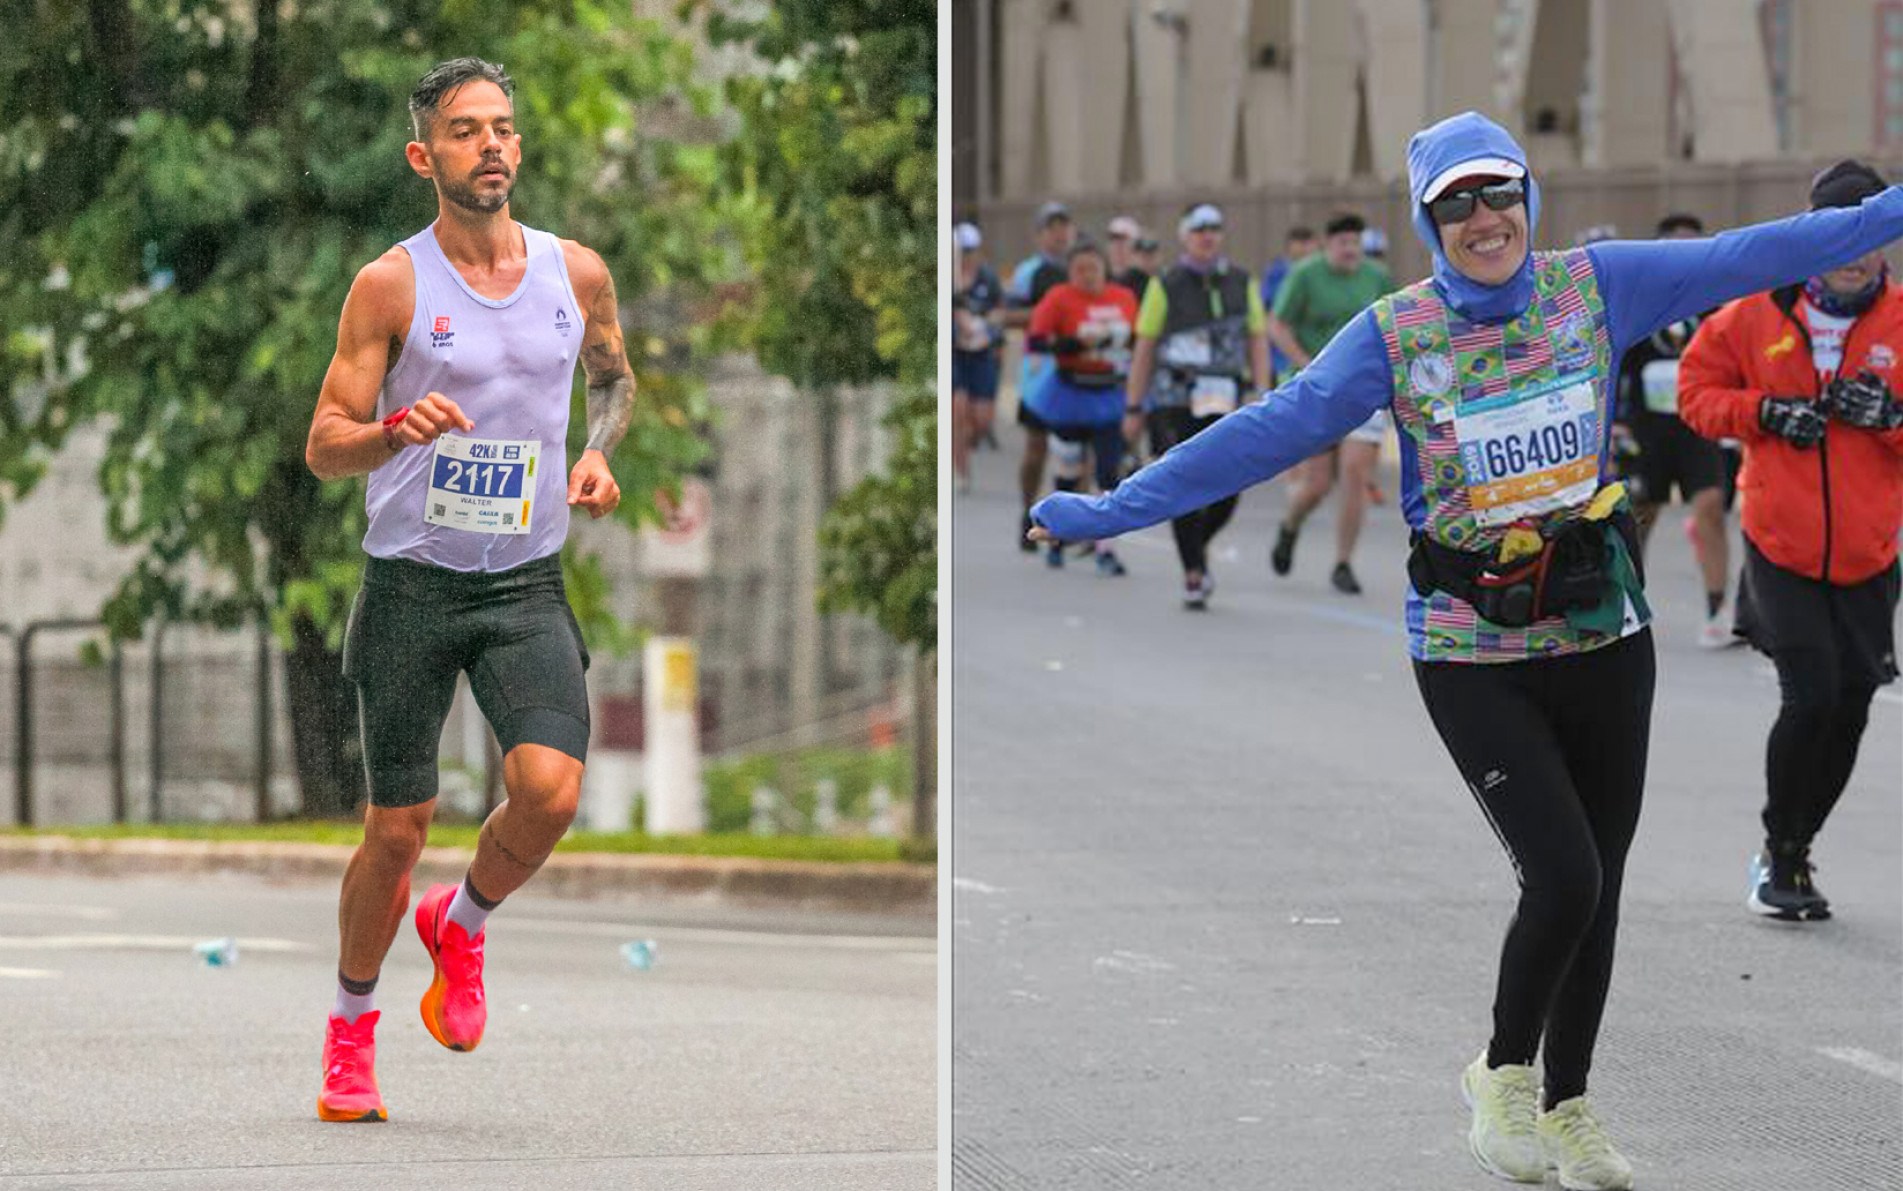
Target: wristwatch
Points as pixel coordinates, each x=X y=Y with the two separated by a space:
x=389 y=428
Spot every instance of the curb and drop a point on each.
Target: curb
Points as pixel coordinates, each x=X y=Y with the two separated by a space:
x=863 y=887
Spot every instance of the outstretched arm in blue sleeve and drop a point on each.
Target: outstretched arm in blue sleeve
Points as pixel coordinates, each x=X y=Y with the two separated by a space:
x=1649 y=284
x=1344 y=385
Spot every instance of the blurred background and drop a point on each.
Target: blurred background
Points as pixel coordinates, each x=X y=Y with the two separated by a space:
x=187 y=188
x=1284 y=111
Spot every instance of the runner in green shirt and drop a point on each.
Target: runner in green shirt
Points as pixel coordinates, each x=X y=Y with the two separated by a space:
x=1321 y=294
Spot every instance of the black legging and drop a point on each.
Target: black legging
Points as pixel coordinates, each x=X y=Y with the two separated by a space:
x=1833 y=646
x=1813 y=745
x=1554 y=750
x=1196 y=530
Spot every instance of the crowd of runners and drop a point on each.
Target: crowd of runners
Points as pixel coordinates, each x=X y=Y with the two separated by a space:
x=1545 y=407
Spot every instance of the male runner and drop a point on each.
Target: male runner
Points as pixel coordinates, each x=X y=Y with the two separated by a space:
x=450 y=387
x=1202 y=348
x=1661 y=452
x=1320 y=297
x=1805 y=375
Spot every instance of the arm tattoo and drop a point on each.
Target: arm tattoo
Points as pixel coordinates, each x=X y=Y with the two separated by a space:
x=610 y=380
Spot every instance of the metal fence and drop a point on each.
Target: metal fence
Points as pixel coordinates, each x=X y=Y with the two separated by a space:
x=186 y=724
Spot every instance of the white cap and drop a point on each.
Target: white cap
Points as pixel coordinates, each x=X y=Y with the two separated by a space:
x=968 y=236
x=1481 y=167
x=1123 y=225
x=1203 y=215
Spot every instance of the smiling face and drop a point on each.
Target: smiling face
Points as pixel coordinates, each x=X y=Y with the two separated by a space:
x=472 y=150
x=1488 y=246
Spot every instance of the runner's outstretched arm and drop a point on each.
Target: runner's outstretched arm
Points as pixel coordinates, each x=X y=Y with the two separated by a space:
x=1649 y=284
x=1338 y=391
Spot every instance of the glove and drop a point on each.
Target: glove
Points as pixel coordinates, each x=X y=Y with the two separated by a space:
x=1863 y=401
x=1797 y=420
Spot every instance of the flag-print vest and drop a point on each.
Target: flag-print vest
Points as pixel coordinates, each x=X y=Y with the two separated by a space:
x=1505 y=424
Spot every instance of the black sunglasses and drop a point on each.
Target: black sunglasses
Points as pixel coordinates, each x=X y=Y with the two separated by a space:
x=1457 y=205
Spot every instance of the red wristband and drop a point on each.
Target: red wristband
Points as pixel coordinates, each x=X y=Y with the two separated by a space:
x=389 y=428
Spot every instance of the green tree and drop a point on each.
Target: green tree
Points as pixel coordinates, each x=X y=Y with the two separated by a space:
x=836 y=166
x=187 y=188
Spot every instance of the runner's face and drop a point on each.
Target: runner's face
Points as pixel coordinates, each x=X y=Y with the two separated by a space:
x=1203 y=245
x=1488 y=246
x=1344 y=251
x=1087 y=272
x=474 y=150
x=1856 y=276
x=1055 y=237
x=1303 y=247
x=1120 y=252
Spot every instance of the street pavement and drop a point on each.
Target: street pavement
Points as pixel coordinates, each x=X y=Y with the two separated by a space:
x=782 y=1050
x=1224 y=916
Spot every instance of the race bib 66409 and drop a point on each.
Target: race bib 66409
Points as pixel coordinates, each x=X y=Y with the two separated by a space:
x=1527 y=453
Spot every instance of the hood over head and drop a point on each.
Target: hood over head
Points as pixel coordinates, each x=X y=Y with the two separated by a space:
x=1433 y=151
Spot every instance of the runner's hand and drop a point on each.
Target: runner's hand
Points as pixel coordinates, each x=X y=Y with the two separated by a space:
x=429 y=419
x=592 y=487
x=1040 y=534
x=1863 y=401
x=1132 y=429
x=1794 y=419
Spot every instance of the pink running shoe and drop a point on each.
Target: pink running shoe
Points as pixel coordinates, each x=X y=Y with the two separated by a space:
x=350 y=1072
x=453 y=1007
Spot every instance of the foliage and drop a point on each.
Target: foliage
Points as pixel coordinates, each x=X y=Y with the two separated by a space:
x=202 y=181
x=837 y=170
x=796 y=776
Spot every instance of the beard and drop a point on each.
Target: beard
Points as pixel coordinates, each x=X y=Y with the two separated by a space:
x=463 y=193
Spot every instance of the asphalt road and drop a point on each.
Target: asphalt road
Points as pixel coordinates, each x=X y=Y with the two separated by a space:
x=776 y=1051
x=1225 y=917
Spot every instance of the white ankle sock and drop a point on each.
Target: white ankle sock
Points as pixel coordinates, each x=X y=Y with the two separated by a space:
x=464 y=912
x=350 y=1006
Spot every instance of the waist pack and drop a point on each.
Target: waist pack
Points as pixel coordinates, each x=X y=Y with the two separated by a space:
x=1569 y=571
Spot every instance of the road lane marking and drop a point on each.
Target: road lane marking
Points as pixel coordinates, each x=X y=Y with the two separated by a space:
x=1863 y=1060
x=738 y=938
x=27 y=974
x=135 y=943
x=970 y=886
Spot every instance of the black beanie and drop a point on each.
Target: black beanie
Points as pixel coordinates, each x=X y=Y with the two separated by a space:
x=1845 y=185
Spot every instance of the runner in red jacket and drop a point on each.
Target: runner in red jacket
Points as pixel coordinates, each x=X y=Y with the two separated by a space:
x=1806 y=377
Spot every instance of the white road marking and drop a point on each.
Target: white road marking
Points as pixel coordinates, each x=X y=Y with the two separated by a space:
x=27 y=974
x=136 y=943
x=89 y=913
x=738 y=938
x=1863 y=1060
x=970 y=886
x=1133 y=961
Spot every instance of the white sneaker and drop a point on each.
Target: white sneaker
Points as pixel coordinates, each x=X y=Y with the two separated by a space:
x=1716 y=632
x=1503 y=1137
x=1576 y=1145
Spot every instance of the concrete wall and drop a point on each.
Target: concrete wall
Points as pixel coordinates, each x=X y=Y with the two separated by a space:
x=1167 y=96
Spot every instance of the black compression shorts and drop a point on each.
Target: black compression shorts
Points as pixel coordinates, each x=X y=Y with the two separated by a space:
x=414 y=627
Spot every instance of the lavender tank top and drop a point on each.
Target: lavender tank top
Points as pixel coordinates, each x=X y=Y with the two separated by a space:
x=510 y=364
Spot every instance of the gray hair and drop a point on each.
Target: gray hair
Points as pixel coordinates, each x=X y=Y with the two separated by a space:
x=443 y=80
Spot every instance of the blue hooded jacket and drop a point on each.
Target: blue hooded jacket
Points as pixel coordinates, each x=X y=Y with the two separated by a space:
x=1646 y=284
